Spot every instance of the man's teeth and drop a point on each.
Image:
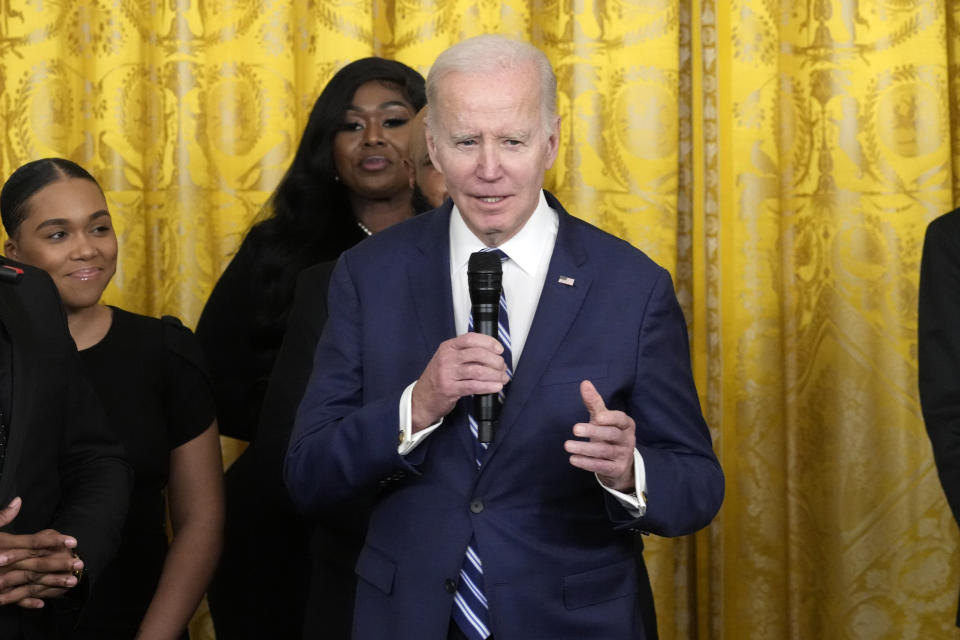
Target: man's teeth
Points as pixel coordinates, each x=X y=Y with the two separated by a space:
x=493 y=199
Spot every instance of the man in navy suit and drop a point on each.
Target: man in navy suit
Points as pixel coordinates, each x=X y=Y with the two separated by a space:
x=600 y=434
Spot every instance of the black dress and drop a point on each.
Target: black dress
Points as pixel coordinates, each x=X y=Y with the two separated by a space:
x=319 y=604
x=240 y=330
x=245 y=317
x=151 y=379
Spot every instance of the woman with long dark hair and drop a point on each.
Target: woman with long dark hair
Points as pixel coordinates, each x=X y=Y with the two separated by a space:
x=150 y=377
x=349 y=178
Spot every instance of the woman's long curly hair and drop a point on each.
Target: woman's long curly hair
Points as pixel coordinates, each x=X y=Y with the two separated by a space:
x=308 y=218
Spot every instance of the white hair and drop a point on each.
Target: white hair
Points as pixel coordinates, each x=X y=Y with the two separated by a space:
x=491 y=53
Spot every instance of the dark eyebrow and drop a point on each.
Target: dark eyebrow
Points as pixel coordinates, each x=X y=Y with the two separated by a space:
x=385 y=105
x=56 y=222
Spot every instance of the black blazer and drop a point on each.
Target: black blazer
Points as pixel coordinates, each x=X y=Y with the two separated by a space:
x=939 y=350
x=322 y=602
x=60 y=458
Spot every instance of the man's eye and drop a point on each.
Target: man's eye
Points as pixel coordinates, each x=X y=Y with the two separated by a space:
x=57 y=235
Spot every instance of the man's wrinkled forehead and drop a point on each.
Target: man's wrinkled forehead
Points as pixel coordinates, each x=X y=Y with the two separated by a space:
x=489 y=91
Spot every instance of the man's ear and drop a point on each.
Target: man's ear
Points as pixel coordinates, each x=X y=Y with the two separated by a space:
x=553 y=142
x=431 y=146
x=10 y=249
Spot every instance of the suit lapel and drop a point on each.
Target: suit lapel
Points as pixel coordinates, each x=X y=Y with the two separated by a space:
x=429 y=276
x=22 y=377
x=556 y=311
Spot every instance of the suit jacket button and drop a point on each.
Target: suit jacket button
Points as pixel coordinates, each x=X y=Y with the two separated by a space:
x=476 y=506
x=450 y=586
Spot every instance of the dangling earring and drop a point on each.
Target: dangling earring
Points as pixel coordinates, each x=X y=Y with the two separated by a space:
x=336 y=178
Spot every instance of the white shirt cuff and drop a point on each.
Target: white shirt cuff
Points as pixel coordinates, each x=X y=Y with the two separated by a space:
x=408 y=439
x=635 y=503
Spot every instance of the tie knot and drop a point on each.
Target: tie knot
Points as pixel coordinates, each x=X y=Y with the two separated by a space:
x=497 y=252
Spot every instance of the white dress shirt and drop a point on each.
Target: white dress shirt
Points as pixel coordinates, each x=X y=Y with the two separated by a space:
x=524 y=274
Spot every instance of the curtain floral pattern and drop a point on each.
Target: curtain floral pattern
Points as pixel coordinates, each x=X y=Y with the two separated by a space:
x=781 y=159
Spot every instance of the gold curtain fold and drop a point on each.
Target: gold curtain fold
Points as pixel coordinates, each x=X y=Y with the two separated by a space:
x=834 y=129
x=781 y=159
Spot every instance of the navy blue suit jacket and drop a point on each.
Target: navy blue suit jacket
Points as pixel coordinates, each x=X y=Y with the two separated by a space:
x=556 y=548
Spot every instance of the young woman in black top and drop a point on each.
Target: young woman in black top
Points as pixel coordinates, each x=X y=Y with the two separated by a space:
x=150 y=377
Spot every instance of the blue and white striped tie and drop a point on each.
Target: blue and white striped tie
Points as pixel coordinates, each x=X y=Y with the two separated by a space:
x=472 y=613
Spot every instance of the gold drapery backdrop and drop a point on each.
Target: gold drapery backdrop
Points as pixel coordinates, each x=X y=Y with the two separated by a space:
x=781 y=159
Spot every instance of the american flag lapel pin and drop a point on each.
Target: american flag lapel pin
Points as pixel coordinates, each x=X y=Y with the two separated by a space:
x=567 y=280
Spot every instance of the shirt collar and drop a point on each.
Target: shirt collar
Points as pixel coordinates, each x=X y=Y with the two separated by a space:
x=524 y=249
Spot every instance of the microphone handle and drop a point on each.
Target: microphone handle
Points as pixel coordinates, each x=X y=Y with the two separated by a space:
x=486 y=407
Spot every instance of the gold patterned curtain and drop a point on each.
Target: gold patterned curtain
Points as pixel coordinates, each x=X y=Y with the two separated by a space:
x=781 y=159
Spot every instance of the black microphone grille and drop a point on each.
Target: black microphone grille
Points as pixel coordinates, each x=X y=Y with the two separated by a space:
x=484 y=273
x=484 y=262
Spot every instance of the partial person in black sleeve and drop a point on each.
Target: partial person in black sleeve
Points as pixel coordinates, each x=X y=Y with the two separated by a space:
x=348 y=179
x=939 y=350
x=62 y=474
x=150 y=377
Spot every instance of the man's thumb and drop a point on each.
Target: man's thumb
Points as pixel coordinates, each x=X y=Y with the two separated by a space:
x=591 y=399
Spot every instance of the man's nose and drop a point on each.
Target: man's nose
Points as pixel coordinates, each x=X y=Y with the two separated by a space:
x=489 y=166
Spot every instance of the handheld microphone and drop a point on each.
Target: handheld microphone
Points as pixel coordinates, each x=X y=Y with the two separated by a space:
x=485 y=280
